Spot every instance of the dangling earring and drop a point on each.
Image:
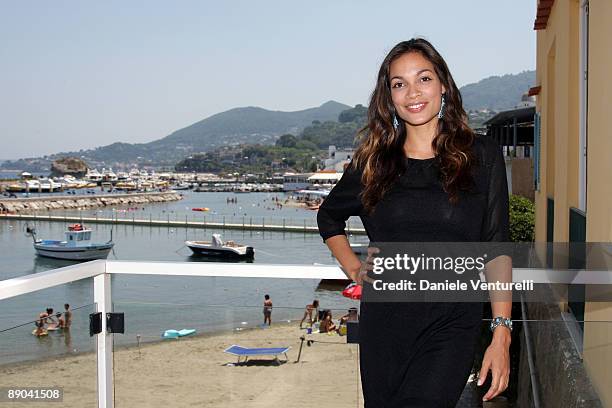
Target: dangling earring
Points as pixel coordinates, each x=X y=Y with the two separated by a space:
x=441 y=113
x=395 y=122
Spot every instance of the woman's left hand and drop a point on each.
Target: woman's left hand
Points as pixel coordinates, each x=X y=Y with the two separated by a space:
x=497 y=360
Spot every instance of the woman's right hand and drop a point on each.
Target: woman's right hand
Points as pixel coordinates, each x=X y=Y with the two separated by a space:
x=360 y=275
x=351 y=265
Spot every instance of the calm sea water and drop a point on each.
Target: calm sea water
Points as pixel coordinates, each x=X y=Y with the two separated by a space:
x=153 y=304
x=11 y=174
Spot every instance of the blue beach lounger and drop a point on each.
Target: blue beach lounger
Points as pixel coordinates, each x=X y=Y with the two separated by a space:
x=249 y=352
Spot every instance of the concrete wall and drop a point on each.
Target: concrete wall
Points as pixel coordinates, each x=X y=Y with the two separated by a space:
x=560 y=374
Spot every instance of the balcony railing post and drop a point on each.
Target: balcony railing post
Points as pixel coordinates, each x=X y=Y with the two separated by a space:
x=104 y=341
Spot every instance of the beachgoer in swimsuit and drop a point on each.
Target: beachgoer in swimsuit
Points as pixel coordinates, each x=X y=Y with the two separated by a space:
x=267 y=310
x=308 y=313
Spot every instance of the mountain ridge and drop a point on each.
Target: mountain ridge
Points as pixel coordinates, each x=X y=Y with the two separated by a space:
x=497 y=92
x=257 y=125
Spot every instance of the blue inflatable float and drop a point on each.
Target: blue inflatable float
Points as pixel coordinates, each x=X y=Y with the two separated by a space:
x=175 y=334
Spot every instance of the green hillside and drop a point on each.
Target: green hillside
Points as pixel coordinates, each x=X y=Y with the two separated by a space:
x=497 y=92
x=331 y=123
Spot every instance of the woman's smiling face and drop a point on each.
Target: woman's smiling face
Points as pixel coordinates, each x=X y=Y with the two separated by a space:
x=416 y=90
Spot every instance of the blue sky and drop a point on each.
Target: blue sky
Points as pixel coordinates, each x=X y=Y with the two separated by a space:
x=83 y=74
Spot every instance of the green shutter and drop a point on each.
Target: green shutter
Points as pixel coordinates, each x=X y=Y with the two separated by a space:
x=537 y=148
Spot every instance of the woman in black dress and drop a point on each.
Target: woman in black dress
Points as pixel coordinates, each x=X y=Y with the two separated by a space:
x=421 y=175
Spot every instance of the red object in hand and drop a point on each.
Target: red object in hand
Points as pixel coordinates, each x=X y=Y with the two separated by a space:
x=352 y=291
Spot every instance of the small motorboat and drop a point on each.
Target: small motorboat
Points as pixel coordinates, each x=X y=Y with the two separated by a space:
x=359 y=249
x=219 y=249
x=200 y=209
x=181 y=186
x=76 y=247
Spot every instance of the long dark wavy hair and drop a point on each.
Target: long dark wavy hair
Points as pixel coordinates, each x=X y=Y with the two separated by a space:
x=381 y=155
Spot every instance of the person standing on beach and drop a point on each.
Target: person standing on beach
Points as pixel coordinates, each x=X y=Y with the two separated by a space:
x=267 y=310
x=314 y=307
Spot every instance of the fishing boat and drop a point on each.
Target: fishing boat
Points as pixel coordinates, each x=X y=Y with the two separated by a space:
x=76 y=246
x=219 y=249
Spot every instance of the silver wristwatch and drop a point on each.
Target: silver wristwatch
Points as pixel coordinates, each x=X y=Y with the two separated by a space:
x=501 y=321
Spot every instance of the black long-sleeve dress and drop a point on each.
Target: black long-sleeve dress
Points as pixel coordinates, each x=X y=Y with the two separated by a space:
x=420 y=354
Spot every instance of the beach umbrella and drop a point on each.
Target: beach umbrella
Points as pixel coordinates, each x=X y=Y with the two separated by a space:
x=352 y=291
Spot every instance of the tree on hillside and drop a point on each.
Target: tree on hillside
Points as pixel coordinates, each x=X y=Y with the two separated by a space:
x=287 y=140
x=357 y=114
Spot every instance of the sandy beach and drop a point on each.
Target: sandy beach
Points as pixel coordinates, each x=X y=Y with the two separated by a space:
x=194 y=371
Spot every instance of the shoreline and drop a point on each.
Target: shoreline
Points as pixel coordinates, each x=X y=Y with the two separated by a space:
x=196 y=369
x=143 y=343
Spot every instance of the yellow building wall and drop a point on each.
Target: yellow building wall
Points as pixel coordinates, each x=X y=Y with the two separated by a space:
x=598 y=336
x=558 y=72
x=558 y=102
x=599 y=148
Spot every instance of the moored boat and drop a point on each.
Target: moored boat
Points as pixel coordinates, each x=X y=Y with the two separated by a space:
x=76 y=246
x=181 y=186
x=219 y=249
x=359 y=249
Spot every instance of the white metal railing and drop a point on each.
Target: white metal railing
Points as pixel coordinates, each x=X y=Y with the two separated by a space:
x=101 y=271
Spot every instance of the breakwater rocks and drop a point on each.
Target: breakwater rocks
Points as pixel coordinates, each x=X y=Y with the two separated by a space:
x=17 y=205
